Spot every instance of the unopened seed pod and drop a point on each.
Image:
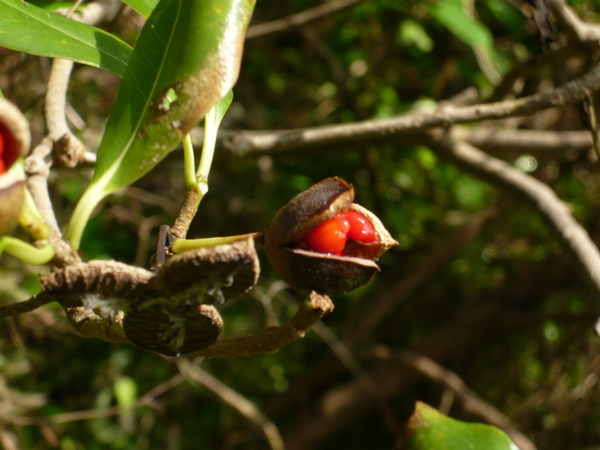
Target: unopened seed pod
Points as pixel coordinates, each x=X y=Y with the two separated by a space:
x=15 y=139
x=296 y=260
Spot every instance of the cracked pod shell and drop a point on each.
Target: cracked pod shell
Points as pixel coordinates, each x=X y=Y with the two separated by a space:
x=308 y=270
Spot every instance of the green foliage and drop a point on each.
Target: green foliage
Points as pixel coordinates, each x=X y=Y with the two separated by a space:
x=144 y=7
x=429 y=429
x=52 y=35
x=159 y=102
x=526 y=342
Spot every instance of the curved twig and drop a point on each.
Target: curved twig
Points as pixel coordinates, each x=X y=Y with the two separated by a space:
x=271 y=340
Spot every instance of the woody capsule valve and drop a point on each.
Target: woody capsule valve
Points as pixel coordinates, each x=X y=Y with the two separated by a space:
x=322 y=241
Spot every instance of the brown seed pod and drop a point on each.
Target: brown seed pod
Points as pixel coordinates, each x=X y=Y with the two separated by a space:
x=170 y=311
x=223 y=271
x=15 y=139
x=306 y=269
x=180 y=318
x=176 y=331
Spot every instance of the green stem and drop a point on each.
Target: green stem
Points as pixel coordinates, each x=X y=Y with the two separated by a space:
x=189 y=163
x=183 y=245
x=27 y=252
x=32 y=220
x=81 y=215
x=211 y=127
x=197 y=183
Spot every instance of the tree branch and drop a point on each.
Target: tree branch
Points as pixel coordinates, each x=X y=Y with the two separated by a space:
x=577 y=30
x=34 y=302
x=571 y=92
x=299 y=19
x=545 y=201
x=244 y=142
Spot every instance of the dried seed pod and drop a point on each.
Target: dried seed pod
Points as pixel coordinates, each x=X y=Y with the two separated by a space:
x=15 y=139
x=168 y=312
x=176 y=331
x=306 y=269
x=181 y=319
x=223 y=271
x=105 y=278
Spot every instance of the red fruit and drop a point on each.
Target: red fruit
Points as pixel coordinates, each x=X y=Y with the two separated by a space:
x=361 y=229
x=329 y=237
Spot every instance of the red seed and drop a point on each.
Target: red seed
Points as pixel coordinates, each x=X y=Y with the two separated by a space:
x=2 y=163
x=329 y=237
x=361 y=229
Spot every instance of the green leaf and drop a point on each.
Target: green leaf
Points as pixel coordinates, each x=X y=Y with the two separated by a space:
x=450 y=14
x=125 y=390
x=429 y=429
x=412 y=33
x=50 y=5
x=187 y=58
x=144 y=7
x=27 y=28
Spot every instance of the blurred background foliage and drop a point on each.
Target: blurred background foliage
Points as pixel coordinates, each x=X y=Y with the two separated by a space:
x=507 y=309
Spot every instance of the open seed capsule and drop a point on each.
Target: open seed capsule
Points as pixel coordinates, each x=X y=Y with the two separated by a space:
x=14 y=143
x=322 y=241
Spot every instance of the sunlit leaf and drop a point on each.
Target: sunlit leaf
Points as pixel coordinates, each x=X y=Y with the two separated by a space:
x=186 y=59
x=26 y=28
x=144 y=7
x=429 y=429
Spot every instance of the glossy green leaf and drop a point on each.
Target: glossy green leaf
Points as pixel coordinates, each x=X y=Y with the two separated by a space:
x=186 y=59
x=429 y=429
x=26 y=28
x=144 y=7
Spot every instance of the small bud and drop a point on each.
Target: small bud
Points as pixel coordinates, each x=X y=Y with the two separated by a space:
x=14 y=143
x=322 y=241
